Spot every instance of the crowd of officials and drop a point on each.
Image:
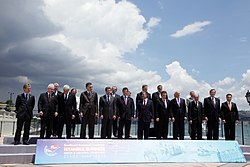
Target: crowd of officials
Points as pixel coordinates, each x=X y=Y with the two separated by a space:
x=57 y=109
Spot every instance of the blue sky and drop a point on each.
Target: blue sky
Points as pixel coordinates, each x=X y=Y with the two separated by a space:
x=183 y=45
x=222 y=49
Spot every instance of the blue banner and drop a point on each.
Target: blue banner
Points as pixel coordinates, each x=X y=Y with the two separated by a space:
x=77 y=151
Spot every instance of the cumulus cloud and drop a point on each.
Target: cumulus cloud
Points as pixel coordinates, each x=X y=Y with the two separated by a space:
x=23 y=79
x=191 y=29
x=153 y=22
x=225 y=82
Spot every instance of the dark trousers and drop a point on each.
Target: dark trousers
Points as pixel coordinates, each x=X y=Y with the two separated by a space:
x=63 y=120
x=55 y=126
x=143 y=127
x=46 y=125
x=196 y=130
x=20 y=123
x=127 y=124
x=212 y=129
x=90 y=121
x=115 y=127
x=106 y=130
x=229 y=128
x=178 y=128
x=162 y=127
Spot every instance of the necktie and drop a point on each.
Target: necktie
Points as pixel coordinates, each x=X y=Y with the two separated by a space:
x=159 y=94
x=165 y=103
x=178 y=102
x=213 y=101
x=49 y=97
x=65 y=97
x=144 y=102
x=108 y=99
x=230 y=106
x=26 y=97
x=196 y=103
x=126 y=100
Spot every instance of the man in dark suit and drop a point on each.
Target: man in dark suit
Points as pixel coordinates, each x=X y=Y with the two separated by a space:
x=162 y=113
x=66 y=111
x=57 y=93
x=178 y=107
x=115 y=121
x=88 y=110
x=77 y=119
x=47 y=109
x=212 y=115
x=107 y=108
x=230 y=117
x=145 y=114
x=195 y=116
x=25 y=103
x=139 y=95
x=155 y=97
x=126 y=113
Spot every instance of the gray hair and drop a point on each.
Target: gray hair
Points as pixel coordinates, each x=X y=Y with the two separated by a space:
x=66 y=87
x=51 y=85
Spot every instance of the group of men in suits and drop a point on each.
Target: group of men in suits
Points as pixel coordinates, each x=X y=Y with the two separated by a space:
x=116 y=112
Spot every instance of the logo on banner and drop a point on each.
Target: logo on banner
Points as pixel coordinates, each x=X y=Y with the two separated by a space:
x=51 y=151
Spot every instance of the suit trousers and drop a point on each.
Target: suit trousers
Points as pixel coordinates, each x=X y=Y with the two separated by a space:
x=196 y=130
x=127 y=124
x=46 y=125
x=143 y=129
x=63 y=120
x=115 y=127
x=20 y=123
x=212 y=129
x=162 y=127
x=90 y=121
x=229 y=128
x=178 y=129
x=106 y=129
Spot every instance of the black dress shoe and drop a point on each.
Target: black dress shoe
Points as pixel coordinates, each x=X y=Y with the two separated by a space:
x=26 y=143
x=17 y=142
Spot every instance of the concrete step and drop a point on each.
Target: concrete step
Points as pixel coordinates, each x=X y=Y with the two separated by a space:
x=12 y=149
x=21 y=158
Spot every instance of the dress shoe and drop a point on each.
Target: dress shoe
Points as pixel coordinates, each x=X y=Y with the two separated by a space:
x=26 y=143
x=17 y=142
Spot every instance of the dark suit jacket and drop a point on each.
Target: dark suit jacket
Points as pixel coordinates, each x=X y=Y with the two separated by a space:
x=145 y=113
x=117 y=100
x=161 y=111
x=47 y=107
x=178 y=110
x=107 y=108
x=195 y=112
x=139 y=97
x=88 y=105
x=66 y=108
x=25 y=109
x=210 y=110
x=126 y=111
x=229 y=116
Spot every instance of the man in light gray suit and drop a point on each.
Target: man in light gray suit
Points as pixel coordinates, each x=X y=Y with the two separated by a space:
x=107 y=109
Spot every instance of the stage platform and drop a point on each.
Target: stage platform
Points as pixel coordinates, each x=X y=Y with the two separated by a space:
x=11 y=155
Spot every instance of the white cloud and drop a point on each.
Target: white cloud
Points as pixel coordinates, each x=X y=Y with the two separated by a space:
x=191 y=29
x=153 y=22
x=225 y=82
x=243 y=39
x=23 y=79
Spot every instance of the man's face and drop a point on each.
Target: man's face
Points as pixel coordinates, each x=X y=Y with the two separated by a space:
x=125 y=92
x=229 y=98
x=50 y=90
x=114 y=89
x=212 y=93
x=74 y=91
x=177 y=95
x=144 y=95
x=196 y=98
x=89 y=88
x=159 y=88
x=27 y=89
x=164 y=96
x=145 y=89
x=65 y=91
x=56 y=87
x=108 y=91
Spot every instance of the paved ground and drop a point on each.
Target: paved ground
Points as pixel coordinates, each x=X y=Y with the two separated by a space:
x=138 y=165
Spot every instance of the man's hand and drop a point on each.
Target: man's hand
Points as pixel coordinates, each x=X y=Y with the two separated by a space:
x=96 y=115
x=185 y=118
x=173 y=119
x=114 y=117
x=56 y=114
x=206 y=118
x=224 y=121
x=190 y=122
x=40 y=113
x=119 y=118
x=236 y=122
x=101 y=116
x=73 y=116
x=157 y=119
x=152 y=120
x=81 y=114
